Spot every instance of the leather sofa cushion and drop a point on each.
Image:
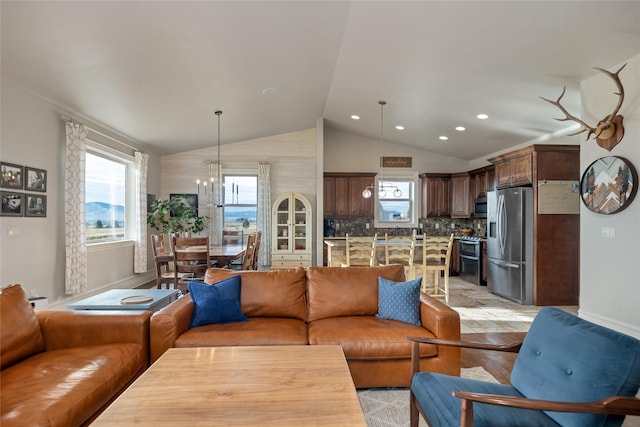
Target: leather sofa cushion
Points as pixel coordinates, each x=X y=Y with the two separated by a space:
x=65 y=387
x=370 y=338
x=346 y=291
x=256 y=331
x=276 y=293
x=20 y=335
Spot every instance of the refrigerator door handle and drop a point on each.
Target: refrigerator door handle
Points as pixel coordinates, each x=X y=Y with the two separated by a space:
x=502 y=224
x=504 y=264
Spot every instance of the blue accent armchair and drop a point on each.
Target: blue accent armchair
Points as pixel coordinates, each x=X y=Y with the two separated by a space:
x=568 y=372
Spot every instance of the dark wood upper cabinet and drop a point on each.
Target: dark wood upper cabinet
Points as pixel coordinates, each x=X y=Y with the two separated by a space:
x=436 y=195
x=460 y=196
x=343 y=195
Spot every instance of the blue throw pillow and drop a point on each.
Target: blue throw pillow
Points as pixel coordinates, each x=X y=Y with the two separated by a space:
x=217 y=303
x=399 y=300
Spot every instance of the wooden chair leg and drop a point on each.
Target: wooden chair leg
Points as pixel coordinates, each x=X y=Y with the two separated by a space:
x=413 y=410
x=466 y=414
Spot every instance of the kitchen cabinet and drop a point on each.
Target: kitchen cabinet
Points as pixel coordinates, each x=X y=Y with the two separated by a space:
x=291 y=244
x=482 y=181
x=514 y=171
x=460 y=196
x=556 y=246
x=436 y=197
x=343 y=195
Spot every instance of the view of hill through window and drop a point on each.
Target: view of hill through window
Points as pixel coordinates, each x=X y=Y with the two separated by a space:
x=104 y=198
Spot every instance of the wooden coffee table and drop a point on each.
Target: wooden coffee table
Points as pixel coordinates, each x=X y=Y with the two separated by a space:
x=306 y=385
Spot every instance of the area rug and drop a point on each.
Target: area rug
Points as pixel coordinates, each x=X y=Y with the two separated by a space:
x=389 y=407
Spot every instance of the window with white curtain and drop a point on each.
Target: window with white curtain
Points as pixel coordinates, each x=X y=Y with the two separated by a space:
x=109 y=195
x=240 y=202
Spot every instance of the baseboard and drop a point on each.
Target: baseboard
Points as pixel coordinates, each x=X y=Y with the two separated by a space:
x=625 y=328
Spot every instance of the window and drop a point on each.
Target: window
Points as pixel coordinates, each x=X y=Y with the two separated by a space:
x=400 y=211
x=106 y=186
x=240 y=202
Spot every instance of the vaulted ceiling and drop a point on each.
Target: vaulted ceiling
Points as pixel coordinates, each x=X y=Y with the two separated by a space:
x=157 y=71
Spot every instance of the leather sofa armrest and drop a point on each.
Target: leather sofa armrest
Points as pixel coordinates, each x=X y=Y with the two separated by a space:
x=168 y=324
x=67 y=329
x=444 y=323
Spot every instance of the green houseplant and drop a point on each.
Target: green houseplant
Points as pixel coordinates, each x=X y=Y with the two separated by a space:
x=173 y=215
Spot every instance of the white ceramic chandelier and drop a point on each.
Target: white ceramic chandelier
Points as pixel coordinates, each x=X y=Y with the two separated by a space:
x=382 y=189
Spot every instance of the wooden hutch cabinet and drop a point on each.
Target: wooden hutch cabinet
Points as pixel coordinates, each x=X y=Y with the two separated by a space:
x=556 y=245
x=291 y=233
x=343 y=195
x=436 y=195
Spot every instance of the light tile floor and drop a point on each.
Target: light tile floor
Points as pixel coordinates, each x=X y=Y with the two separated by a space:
x=482 y=311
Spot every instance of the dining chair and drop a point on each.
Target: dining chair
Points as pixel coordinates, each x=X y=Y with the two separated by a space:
x=191 y=259
x=163 y=258
x=255 y=263
x=360 y=251
x=246 y=262
x=232 y=237
x=400 y=250
x=436 y=256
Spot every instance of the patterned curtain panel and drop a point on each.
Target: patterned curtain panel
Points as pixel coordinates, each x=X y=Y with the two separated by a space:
x=140 y=245
x=74 y=209
x=216 y=221
x=264 y=212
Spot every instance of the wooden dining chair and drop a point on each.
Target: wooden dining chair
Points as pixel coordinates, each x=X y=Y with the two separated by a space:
x=360 y=251
x=400 y=250
x=232 y=237
x=255 y=263
x=163 y=258
x=436 y=256
x=191 y=259
x=246 y=262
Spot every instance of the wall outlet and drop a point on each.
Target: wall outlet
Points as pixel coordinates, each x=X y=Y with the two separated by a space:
x=608 y=232
x=437 y=225
x=337 y=226
x=453 y=225
x=367 y=226
x=421 y=225
x=13 y=231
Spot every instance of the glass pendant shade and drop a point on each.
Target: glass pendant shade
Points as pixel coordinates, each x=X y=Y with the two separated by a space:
x=382 y=193
x=366 y=193
x=397 y=193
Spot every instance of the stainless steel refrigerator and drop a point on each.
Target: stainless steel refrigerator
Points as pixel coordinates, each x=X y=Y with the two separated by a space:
x=510 y=243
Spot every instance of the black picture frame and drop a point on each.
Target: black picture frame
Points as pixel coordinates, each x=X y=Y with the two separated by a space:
x=608 y=185
x=150 y=199
x=35 y=179
x=190 y=200
x=35 y=205
x=12 y=203
x=11 y=176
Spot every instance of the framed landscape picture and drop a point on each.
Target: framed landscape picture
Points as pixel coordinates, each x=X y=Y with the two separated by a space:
x=12 y=176
x=36 y=179
x=608 y=185
x=36 y=205
x=12 y=203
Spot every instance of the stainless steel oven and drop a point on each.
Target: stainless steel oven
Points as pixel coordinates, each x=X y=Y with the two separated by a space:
x=471 y=259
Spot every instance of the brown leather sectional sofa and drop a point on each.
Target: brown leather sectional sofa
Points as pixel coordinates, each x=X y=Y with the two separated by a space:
x=63 y=368
x=320 y=305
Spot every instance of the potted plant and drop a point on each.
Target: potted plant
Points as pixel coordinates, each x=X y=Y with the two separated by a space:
x=173 y=215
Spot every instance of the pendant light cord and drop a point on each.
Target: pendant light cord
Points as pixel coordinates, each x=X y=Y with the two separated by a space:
x=219 y=205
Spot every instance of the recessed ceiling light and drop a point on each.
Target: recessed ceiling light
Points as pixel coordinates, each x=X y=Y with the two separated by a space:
x=443 y=138
x=355 y=117
x=482 y=116
x=460 y=128
x=270 y=91
x=400 y=127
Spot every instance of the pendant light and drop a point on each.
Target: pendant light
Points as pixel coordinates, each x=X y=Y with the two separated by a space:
x=382 y=192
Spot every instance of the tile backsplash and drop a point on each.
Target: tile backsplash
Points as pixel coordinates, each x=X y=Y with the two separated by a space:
x=430 y=226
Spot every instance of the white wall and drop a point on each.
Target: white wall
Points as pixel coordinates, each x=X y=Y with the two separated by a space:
x=33 y=134
x=609 y=268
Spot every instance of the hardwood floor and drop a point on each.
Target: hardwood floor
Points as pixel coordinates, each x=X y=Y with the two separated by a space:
x=497 y=363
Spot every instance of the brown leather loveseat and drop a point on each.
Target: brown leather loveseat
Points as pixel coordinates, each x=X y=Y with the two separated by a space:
x=320 y=305
x=63 y=368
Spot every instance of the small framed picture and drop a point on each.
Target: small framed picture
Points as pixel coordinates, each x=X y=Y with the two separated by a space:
x=12 y=203
x=188 y=200
x=36 y=179
x=36 y=205
x=11 y=176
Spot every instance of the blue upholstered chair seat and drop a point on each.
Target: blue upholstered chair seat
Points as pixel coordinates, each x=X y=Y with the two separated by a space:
x=443 y=408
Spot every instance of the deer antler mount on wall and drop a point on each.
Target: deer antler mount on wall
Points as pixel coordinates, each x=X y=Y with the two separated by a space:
x=609 y=131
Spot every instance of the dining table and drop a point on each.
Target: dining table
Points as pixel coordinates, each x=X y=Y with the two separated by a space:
x=223 y=254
